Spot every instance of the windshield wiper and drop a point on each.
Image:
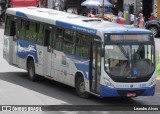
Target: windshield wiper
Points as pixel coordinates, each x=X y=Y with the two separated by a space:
x=123 y=51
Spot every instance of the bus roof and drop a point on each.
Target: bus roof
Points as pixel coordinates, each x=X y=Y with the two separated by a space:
x=72 y=21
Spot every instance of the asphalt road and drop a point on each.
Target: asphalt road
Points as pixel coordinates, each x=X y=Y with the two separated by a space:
x=16 y=89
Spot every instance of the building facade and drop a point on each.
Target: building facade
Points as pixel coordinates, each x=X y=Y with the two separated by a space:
x=157 y=8
x=145 y=6
x=67 y=5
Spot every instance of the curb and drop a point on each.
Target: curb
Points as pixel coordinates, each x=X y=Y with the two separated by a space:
x=158 y=77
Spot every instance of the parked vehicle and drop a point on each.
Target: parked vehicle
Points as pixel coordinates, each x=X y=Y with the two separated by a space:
x=22 y=3
x=154 y=26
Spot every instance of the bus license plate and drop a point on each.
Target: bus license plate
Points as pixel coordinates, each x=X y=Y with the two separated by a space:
x=131 y=94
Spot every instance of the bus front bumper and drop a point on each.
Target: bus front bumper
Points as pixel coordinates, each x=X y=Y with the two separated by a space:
x=122 y=92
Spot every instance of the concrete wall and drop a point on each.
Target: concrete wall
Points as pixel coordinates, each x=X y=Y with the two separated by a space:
x=155 y=7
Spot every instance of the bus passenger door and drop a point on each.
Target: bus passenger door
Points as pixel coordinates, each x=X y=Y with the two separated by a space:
x=14 y=37
x=48 y=57
x=95 y=68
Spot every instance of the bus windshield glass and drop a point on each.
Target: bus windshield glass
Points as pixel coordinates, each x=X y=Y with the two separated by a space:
x=130 y=59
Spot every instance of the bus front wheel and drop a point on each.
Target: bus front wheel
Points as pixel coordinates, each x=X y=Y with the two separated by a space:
x=80 y=88
x=31 y=71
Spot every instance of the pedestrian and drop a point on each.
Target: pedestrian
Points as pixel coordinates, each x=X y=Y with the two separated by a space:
x=53 y=4
x=152 y=17
x=74 y=11
x=3 y=10
x=120 y=14
x=1 y=19
x=140 y=21
x=57 y=5
x=62 y=5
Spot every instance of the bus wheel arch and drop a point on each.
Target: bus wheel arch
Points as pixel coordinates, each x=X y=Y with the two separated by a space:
x=31 y=69
x=80 y=86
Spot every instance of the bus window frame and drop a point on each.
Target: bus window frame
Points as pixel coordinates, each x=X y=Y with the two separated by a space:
x=9 y=20
x=22 y=19
x=38 y=30
x=65 y=40
x=50 y=43
x=89 y=46
x=56 y=37
x=28 y=29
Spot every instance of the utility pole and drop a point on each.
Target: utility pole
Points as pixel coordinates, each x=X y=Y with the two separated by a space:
x=103 y=9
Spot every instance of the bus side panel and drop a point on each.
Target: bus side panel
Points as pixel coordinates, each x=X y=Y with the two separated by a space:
x=63 y=69
x=24 y=50
x=66 y=66
x=41 y=57
x=7 y=49
x=81 y=65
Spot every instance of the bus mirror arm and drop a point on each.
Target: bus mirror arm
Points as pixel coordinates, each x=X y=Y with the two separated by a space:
x=102 y=52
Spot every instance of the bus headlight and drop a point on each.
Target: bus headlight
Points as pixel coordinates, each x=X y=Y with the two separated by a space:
x=153 y=82
x=108 y=83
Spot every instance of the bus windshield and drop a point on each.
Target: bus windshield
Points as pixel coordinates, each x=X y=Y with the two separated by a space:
x=130 y=59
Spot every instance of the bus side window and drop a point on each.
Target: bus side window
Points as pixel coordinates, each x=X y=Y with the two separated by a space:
x=27 y=30
x=13 y=30
x=82 y=45
x=7 y=26
x=22 y=30
x=59 y=39
x=31 y=33
x=40 y=31
x=47 y=37
x=68 y=42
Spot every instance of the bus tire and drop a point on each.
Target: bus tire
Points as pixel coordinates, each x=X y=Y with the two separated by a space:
x=31 y=71
x=80 y=88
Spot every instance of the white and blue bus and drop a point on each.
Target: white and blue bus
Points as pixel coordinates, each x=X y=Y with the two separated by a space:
x=94 y=56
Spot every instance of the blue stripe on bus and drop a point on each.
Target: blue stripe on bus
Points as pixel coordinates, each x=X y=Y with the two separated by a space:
x=20 y=14
x=112 y=92
x=76 y=27
x=26 y=48
x=81 y=64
